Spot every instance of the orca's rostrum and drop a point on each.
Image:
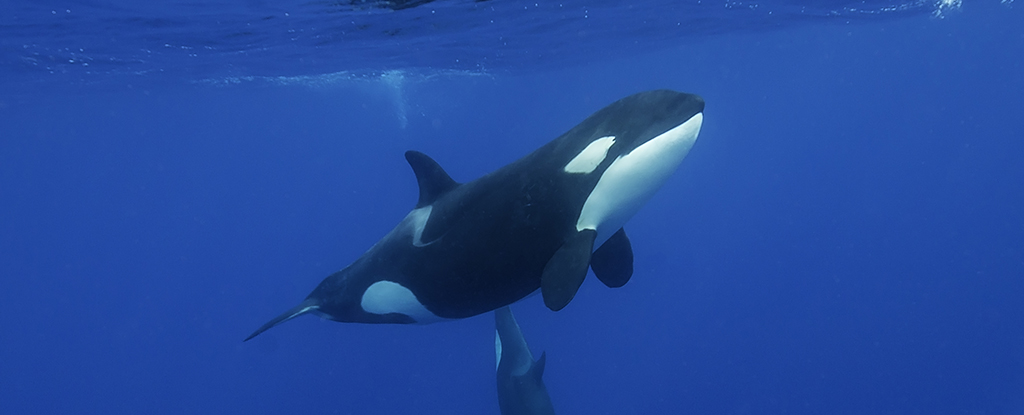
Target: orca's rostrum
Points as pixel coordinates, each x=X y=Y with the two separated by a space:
x=469 y=248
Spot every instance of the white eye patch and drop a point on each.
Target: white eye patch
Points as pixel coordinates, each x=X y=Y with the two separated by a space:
x=591 y=156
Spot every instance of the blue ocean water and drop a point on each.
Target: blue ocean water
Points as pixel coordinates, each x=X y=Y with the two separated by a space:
x=846 y=237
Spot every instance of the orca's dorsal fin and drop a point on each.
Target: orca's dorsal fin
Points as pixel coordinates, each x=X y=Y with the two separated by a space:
x=538 y=366
x=433 y=180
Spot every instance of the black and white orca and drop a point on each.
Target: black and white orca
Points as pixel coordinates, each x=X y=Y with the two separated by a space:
x=521 y=389
x=469 y=248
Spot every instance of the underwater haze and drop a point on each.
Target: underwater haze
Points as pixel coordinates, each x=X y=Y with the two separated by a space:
x=845 y=237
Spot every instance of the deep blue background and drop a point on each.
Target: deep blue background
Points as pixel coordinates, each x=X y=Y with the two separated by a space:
x=846 y=237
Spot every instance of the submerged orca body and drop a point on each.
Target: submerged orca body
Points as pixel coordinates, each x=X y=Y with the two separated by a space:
x=521 y=389
x=469 y=248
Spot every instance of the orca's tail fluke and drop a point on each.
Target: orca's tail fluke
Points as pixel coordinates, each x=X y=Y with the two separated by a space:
x=304 y=307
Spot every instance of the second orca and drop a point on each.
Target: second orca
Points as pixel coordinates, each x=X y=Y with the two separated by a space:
x=469 y=248
x=521 y=389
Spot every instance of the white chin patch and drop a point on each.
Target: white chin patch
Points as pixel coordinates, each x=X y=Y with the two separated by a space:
x=386 y=297
x=590 y=157
x=632 y=179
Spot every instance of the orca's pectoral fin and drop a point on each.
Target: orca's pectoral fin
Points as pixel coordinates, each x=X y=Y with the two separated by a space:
x=565 y=271
x=303 y=308
x=613 y=261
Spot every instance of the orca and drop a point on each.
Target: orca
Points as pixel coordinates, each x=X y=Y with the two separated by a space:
x=521 y=389
x=469 y=248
